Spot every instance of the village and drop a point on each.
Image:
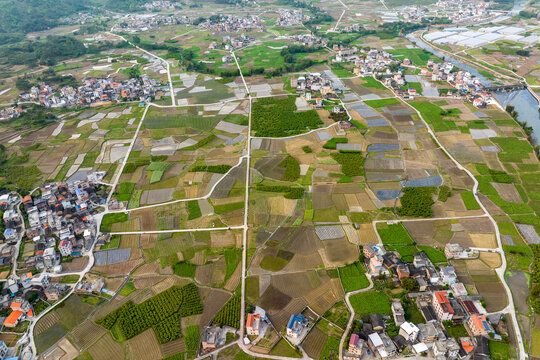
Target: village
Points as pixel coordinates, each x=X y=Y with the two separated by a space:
x=44 y=232
x=436 y=292
x=93 y=92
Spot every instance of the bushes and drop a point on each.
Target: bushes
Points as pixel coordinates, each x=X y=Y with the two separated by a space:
x=218 y=169
x=277 y=117
x=351 y=163
x=292 y=168
x=332 y=143
x=536 y=264
x=229 y=314
x=444 y=193
x=168 y=330
x=184 y=269
x=307 y=149
x=194 y=211
x=130 y=320
x=416 y=201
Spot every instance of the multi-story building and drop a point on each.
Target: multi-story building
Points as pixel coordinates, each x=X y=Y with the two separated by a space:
x=441 y=305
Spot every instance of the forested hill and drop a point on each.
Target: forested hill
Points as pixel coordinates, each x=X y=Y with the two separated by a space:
x=19 y=17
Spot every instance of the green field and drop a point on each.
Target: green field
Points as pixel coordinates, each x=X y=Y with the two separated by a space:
x=353 y=277
x=419 y=57
x=371 y=302
x=469 y=200
x=381 y=102
x=394 y=234
x=433 y=115
x=277 y=117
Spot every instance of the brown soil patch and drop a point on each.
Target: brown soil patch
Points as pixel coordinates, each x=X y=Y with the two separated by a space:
x=76 y=265
x=493 y=260
x=105 y=348
x=87 y=334
x=494 y=295
x=144 y=346
x=483 y=240
x=173 y=347
x=338 y=252
x=203 y=274
x=507 y=192
x=119 y=268
x=213 y=300
x=314 y=343
x=234 y=280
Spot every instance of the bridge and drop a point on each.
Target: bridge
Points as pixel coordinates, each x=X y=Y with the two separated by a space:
x=505 y=88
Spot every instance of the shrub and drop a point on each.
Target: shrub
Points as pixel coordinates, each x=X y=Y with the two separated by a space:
x=416 y=201
x=292 y=168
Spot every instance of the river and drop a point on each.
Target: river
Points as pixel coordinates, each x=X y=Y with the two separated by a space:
x=522 y=100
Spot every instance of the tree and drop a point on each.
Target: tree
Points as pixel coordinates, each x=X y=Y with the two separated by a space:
x=409 y=284
x=23 y=84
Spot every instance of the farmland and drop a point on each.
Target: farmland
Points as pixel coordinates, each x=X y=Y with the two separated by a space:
x=370 y=302
x=277 y=117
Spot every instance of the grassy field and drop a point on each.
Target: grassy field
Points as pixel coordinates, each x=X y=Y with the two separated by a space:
x=433 y=115
x=371 y=82
x=469 y=200
x=353 y=277
x=110 y=219
x=435 y=255
x=394 y=234
x=283 y=348
x=499 y=350
x=381 y=102
x=371 y=302
x=419 y=57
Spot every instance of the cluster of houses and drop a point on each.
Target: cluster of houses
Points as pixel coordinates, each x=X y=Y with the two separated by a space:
x=441 y=299
x=367 y=62
x=133 y=23
x=17 y=290
x=93 y=92
x=463 y=11
x=61 y=223
x=288 y=17
x=373 y=62
x=232 y=42
x=309 y=40
x=233 y=24
x=315 y=87
x=160 y=5
x=10 y=113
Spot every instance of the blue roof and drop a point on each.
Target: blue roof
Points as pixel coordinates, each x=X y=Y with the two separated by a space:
x=295 y=318
x=9 y=231
x=486 y=326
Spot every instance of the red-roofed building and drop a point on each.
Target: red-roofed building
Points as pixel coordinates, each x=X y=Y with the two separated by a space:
x=13 y=319
x=442 y=306
x=467 y=346
x=355 y=345
x=253 y=324
x=478 y=325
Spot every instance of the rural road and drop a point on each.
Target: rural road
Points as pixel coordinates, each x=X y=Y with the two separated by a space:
x=351 y=318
